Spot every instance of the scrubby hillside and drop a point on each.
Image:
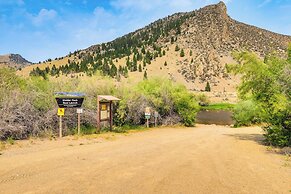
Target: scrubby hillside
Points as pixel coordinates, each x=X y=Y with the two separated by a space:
x=190 y=48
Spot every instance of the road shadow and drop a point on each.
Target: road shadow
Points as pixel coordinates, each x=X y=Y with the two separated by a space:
x=258 y=138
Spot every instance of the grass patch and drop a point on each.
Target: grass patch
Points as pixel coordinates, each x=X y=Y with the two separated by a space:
x=10 y=141
x=218 y=106
x=126 y=128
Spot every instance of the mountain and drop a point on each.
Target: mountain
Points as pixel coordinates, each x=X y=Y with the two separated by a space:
x=13 y=60
x=191 y=48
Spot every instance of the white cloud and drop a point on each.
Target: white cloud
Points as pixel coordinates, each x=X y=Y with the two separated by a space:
x=227 y=1
x=43 y=16
x=265 y=2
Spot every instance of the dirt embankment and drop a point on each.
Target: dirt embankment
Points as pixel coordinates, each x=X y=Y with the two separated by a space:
x=204 y=159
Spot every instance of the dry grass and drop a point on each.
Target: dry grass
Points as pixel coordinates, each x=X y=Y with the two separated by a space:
x=224 y=91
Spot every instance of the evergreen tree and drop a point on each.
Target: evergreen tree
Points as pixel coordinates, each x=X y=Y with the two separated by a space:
x=125 y=74
x=165 y=64
x=145 y=75
x=144 y=63
x=113 y=70
x=177 y=48
x=182 y=54
x=139 y=68
x=207 y=87
x=134 y=64
x=172 y=40
x=191 y=53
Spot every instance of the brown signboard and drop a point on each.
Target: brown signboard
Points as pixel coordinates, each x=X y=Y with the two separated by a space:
x=69 y=99
x=70 y=102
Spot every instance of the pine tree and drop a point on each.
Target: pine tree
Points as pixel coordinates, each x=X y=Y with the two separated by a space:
x=207 y=87
x=172 y=40
x=145 y=75
x=182 y=54
x=139 y=68
x=191 y=53
x=125 y=70
x=177 y=48
x=165 y=64
x=113 y=70
x=134 y=64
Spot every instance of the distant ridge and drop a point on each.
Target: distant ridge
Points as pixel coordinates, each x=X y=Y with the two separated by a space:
x=14 y=61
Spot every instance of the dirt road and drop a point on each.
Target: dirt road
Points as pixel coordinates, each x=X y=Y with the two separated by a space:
x=204 y=159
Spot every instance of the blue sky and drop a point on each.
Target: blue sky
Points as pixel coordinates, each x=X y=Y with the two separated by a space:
x=42 y=29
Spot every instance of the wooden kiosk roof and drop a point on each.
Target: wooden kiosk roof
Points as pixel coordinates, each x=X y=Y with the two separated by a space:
x=108 y=98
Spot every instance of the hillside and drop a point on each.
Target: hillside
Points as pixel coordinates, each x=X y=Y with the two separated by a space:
x=191 y=48
x=14 y=61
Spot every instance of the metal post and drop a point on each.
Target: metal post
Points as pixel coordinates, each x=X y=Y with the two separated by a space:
x=61 y=130
x=111 y=116
x=79 y=123
x=98 y=115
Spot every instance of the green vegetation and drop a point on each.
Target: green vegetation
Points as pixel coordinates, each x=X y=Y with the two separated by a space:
x=173 y=102
x=182 y=53
x=218 y=106
x=145 y=75
x=267 y=85
x=246 y=113
x=28 y=107
x=207 y=87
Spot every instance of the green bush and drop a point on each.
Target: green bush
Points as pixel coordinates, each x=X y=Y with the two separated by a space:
x=267 y=83
x=164 y=96
x=277 y=136
x=246 y=113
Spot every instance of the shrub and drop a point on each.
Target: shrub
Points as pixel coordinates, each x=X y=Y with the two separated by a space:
x=277 y=136
x=267 y=83
x=164 y=96
x=246 y=113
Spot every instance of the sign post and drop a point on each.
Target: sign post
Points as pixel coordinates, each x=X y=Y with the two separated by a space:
x=61 y=112
x=69 y=100
x=79 y=112
x=147 y=114
x=156 y=115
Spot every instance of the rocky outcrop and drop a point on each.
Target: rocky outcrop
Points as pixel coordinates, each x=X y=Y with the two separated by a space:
x=14 y=61
x=212 y=36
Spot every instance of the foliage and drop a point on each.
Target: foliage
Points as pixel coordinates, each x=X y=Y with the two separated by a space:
x=29 y=107
x=246 y=113
x=167 y=98
x=219 y=106
x=267 y=84
x=182 y=53
x=145 y=75
x=207 y=87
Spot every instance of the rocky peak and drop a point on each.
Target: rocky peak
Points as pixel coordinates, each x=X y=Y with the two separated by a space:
x=218 y=10
x=13 y=60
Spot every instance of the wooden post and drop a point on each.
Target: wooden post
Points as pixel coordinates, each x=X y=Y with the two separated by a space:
x=110 y=115
x=98 y=115
x=79 y=123
x=147 y=123
x=61 y=130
